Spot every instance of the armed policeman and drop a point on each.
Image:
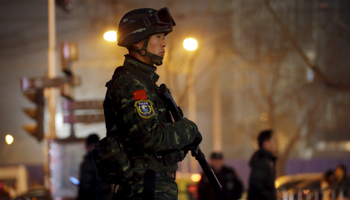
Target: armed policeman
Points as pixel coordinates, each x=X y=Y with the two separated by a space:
x=154 y=143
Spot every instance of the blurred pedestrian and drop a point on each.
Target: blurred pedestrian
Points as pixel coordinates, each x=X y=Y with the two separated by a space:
x=232 y=187
x=91 y=187
x=263 y=168
x=326 y=183
x=341 y=184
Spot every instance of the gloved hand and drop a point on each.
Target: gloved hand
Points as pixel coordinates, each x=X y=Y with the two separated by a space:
x=197 y=140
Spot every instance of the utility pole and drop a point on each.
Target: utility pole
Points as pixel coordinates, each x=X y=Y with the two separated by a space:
x=192 y=111
x=191 y=44
x=217 y=131
x=52 y=92
x=52 y=71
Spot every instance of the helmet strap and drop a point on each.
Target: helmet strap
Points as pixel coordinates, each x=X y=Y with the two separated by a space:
x=157 y=60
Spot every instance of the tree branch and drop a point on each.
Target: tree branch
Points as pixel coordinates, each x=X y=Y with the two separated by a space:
x=338 y=20
x=200 y=75
x=314 y=67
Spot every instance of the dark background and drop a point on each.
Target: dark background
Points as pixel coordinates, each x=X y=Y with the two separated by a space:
x=265 y=82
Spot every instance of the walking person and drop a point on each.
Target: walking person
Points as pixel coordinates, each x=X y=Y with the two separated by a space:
x=326 y=184
x=341 y=184
x=263 y=168
x=232 y=187
x=91 y=186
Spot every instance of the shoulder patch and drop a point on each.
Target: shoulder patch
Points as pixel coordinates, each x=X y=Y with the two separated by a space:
x=144 y=108
x=139 y=94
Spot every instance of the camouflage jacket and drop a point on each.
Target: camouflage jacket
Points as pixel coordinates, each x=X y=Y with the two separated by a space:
x=148 y=129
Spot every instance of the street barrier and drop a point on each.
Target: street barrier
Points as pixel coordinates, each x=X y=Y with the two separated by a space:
x=325 y=194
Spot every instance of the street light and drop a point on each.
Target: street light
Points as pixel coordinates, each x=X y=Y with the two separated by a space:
x=110 y=36
x=9 y=139
x=190 y=44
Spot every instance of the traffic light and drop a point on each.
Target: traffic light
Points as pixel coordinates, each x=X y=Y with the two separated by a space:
x=33 y=88
x=36 y=96
x=69 y=53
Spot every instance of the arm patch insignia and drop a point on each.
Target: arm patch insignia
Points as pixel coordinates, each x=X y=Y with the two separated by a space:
x=139 y=94
x=144 y=108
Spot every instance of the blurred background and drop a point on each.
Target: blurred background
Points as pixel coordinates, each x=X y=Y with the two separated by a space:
x=278 y=64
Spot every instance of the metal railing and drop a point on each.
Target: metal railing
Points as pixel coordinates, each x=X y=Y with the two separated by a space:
x=316 y=194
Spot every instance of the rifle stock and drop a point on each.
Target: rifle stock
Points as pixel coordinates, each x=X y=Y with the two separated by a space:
x=177 y=114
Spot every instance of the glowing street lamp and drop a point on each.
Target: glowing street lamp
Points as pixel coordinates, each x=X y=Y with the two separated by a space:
x=190 y=44
x=9 y=139
x=110 y=36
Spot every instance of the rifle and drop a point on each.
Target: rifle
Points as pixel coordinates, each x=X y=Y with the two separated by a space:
x=177 y=114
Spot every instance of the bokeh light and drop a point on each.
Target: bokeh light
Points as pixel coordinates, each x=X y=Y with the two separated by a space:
x=110 y=36
x=190 y=44
x=196 y=177
x=9 y=139
x=277 y=184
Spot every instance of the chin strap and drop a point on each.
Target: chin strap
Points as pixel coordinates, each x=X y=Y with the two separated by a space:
x=157 y=60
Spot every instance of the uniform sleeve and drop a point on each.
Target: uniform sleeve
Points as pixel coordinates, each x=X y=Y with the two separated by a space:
x=149 y=133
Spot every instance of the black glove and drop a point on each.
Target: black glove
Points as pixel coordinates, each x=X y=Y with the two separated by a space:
x=197 y=140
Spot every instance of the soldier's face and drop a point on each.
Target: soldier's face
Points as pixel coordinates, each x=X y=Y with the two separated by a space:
x=156 y=44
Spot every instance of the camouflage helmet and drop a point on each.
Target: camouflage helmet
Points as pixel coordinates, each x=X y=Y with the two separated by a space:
x=139 y=24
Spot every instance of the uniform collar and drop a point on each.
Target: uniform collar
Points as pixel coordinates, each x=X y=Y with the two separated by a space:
x=145 y=68
x=267 y=154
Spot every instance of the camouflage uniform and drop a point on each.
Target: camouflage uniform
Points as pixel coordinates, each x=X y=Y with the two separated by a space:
x=153 y=141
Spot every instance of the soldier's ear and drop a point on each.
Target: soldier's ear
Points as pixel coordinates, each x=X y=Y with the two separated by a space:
x=138 y=45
